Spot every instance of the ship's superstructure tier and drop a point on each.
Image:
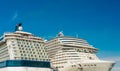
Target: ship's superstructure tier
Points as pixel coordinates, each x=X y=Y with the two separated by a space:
x=63 y=49
x=22 y=46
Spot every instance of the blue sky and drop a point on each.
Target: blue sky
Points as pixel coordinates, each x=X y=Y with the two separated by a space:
x=97 y=21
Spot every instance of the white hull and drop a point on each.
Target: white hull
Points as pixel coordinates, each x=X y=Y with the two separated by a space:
x=94 y=66
x=24 y=69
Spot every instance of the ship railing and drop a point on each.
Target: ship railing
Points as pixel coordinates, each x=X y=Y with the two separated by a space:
x=7 y=33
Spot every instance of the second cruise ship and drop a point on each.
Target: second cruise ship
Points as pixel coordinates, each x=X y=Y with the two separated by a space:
x=74 y=54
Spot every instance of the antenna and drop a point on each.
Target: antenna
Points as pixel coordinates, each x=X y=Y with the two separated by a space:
x=76 y=35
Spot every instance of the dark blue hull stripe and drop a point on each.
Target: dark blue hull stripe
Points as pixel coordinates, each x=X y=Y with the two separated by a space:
x=24 y=63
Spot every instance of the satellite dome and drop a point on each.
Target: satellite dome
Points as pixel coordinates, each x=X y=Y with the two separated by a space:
x=19 y=27
x=60 y=34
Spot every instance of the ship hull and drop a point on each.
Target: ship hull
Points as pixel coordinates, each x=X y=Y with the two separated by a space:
x=24 y=69
x=95 y=66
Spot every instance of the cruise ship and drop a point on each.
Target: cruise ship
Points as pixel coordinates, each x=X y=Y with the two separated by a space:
x=22 y=51
x=75 y=54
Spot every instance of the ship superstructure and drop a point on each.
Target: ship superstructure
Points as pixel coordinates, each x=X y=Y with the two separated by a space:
x=74 y=54
x=22 y=51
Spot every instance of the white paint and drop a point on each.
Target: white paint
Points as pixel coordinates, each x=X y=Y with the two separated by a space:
x=24 y=69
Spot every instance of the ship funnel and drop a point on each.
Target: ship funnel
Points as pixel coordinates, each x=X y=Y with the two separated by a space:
x=19 y=27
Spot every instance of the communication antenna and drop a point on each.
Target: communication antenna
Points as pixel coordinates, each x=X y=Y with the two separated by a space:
x=76 y=35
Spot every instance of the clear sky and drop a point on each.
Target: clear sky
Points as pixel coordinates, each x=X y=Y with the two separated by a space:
x=97 y=21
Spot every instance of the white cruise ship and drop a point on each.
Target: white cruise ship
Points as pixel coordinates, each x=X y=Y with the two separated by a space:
x=74 y=54
x=22 y=51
